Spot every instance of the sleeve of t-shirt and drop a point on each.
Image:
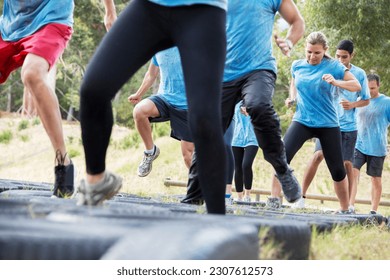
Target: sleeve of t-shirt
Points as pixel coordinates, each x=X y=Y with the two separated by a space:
x=388 y=109
x=154 y=60
x=365 y=91
x=339 y=70
x=293 y=65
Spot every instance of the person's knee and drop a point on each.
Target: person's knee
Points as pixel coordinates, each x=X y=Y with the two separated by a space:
x=141 y=111
x=31 y=77
x=338 y=175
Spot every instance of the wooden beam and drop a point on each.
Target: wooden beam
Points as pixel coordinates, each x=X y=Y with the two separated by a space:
x=168 y=183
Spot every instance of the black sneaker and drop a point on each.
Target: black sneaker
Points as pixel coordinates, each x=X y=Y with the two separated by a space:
x=290 y=186
x=64 y=178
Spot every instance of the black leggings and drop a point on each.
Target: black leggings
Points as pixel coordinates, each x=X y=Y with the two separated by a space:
x=142 y=30
x=243 y=160
x=330 y=139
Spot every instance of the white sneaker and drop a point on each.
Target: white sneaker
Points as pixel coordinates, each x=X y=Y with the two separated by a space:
x=247 y=199
x=299 y=204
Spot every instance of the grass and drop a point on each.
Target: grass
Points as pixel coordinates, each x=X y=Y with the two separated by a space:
x=28 y=156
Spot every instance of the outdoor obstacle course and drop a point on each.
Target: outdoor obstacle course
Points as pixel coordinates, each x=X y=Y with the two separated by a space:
x=34 y=226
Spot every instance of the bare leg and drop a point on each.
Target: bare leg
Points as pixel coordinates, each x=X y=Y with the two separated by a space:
x=187 y=149
x=311 y=170
x=352 y=187
x=35 y=79
x=376 y=192
x=141 y=113
x=341 y=190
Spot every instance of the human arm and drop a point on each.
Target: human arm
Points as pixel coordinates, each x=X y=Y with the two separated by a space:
x=349 y=82
x=348 y=105
x=149 y=78
x=290 y=101
x=110 y=13
x=290 y=13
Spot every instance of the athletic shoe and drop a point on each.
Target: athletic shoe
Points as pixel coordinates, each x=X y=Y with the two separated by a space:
x=229 y=199
x=95 y=194
x=343 y=212
x=247 y=199
x=290 y=185
x=351 y=209
x=64 y=178
x=299 y=204
x=273 y=203
x=145 y=166
x=372 y=212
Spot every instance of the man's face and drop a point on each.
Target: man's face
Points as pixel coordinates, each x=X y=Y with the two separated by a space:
x=344 y=57
x=374 y=88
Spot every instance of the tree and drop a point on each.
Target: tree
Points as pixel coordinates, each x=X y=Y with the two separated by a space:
x=365 y=22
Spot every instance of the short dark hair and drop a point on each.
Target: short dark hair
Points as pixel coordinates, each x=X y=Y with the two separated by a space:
x=373 y=77
x=346 y=45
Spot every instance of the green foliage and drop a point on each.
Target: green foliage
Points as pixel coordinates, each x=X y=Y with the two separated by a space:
x=73 y=152
x=6 y=136
x=23 y=124
x=36 y=121
x=24 y=138
x=364 y=22
x=161 y=129
x=131 y=141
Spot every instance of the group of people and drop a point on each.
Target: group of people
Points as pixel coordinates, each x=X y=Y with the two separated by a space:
x=209 y=61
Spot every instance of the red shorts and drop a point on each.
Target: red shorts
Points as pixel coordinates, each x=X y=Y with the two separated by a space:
x=48 y=42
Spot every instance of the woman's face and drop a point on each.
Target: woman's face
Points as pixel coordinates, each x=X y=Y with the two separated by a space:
x=314 y=53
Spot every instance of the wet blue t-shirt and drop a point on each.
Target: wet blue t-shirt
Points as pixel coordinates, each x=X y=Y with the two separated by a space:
x=249 y=30
x=315 y=105
x=373 y=121
x=347 y=118
x=243 y=135
x=23 y=18
x=172 y=87
x=217 y=3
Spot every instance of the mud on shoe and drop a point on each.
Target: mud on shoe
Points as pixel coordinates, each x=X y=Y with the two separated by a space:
x=273 y=203
x=290 y=185
x=145 y=166
x=64 y=177
x=96 y=194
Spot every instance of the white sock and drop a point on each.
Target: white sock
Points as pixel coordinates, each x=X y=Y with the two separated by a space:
x=151 y=151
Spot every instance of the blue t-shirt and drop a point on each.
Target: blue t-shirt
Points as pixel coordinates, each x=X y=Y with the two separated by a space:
x=347 y=118
x=172 y=88
x=249 y=30
x=217 y=3
x=243 y=135
x=23 y=18
x=373 y=121
x=315 y=105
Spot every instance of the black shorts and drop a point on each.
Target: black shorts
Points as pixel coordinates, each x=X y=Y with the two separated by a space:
x=348 y=141
x=178 y=118
x=374 y=164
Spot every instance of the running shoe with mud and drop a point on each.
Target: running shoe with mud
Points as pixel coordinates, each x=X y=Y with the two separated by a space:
x=290 y=185
x=96 y=194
